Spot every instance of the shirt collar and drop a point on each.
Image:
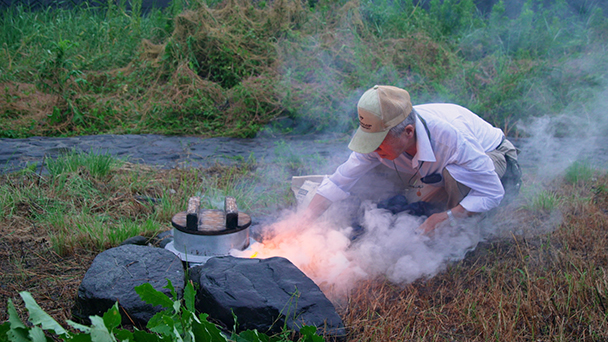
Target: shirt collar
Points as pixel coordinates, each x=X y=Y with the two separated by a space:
x=423 y=145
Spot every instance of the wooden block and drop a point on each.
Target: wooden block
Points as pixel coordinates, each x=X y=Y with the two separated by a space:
x=232 y=213
x=194 y=204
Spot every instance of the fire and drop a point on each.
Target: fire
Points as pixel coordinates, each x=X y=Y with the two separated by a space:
x=317 y=250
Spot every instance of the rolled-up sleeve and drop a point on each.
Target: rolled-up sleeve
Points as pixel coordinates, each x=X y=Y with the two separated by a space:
x=337 y=186
x=473 y=168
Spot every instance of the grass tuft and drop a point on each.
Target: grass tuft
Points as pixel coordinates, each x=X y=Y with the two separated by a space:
x=579 y=172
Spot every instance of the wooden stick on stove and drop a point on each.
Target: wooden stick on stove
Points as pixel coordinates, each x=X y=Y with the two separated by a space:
x=232 y=213
x=194 y=204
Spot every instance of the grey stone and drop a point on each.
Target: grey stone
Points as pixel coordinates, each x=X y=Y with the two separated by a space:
x=264 y=294
x=164 y=238
x=116 y=272
x=136 y=240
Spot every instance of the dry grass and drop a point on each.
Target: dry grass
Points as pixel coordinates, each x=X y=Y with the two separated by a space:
x=552 y=286
x=541 y=288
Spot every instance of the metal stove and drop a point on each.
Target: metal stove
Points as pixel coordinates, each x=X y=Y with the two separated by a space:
x=200 y=234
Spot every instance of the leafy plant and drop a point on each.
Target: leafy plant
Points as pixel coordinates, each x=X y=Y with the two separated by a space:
x=178 y=322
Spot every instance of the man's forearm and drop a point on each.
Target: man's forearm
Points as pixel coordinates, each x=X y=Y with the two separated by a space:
x=317 y=206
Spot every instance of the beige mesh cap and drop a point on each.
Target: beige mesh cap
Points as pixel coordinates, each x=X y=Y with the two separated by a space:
x=380 y=109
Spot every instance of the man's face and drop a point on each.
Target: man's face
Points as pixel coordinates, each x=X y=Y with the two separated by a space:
x=392 y=147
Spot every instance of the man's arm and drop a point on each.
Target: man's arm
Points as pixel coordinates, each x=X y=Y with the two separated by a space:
x=317 y=206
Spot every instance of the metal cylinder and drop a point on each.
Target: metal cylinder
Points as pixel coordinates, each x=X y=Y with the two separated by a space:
x=210 y=245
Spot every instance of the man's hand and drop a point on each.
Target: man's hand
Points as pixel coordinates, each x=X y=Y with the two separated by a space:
x=428 y=226
x=317 y=206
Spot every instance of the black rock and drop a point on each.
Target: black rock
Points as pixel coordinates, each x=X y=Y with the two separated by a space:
x=136 y=240
x=264 y=294
x=116 y=272
x=164 y=238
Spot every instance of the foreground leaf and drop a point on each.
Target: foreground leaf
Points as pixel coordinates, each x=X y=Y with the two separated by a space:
x=99 y=331
x=81 y=327
x=251 y=336
x=18 y=335
x=172 y=289
x=39 y=317
x=17 y=331
x=189 y=296
x=150 y=295
x=161 y=323
x=83 y=337
x=143 y=336
x=37 y=335
x=309 y=334
x=4 y=328
x=13 y=317
x=112 y=317
x=207 y=331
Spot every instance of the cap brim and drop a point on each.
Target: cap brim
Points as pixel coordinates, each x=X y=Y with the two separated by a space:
x=365 y=142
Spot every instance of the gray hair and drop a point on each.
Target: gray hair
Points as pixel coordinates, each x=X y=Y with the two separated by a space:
x=409 y=120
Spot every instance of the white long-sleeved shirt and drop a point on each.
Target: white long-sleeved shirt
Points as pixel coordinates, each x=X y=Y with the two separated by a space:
x=458 y=142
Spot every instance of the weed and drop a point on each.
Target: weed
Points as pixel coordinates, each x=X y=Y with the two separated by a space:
x=579 y=172
x=97 y=164
x=545 y=201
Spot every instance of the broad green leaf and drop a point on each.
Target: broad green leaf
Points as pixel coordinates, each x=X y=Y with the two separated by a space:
x=176 y=336
x=17 y=332
x=309 y=334
x=38 y=316
x=99 y=332
x=161 y=323
x=190 y=336
x=189 y=296
x=177 y=306
x=123 y=335
x=188 y=317
x=112 y=317
x=250 y=336
x=13 y=317
x=36 y=334
x=171 y=288
x=80 y=337
x=206 y=331
x=143 y=336
x=4 y=328
x=150 y=295
x=18 y=335
x=81 y=327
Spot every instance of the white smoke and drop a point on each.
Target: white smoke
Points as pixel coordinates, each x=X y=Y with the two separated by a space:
x=391 y=247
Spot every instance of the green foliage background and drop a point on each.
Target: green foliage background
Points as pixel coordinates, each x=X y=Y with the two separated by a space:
x=231 y=67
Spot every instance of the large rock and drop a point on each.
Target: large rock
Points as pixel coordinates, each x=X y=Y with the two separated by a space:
x=264 y=295
x=114 y=275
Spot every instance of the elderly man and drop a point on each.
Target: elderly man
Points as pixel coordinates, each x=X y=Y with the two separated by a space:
x=448 y=156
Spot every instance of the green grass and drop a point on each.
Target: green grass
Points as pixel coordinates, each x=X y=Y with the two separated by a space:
x=98 y=165
x=216 y=70
x=545 y=201
x=579 y=172
x=95 y=201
